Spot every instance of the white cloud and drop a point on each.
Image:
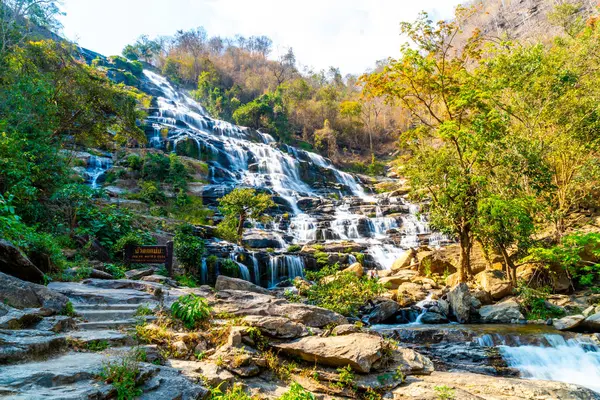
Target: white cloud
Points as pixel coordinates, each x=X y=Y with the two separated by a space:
x=350 y=34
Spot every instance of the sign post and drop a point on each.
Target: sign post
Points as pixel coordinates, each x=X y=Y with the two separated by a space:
x=151 y=255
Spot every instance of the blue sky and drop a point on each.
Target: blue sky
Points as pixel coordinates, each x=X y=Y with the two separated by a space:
x=350 y=34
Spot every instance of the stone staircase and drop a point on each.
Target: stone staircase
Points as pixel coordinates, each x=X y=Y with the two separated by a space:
x=108 y=316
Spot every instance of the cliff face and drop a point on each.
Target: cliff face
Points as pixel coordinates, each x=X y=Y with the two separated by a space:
x=519 y=19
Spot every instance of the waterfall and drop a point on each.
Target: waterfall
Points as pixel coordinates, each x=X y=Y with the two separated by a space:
x=204 y=271
x=255 y=267
x=244 y=271
x=97 y=167
x=573 y=361
x=285 y=266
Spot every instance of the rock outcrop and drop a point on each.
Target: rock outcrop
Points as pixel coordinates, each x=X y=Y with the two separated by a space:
x=14 y=263
x=495 y=282
x=505 y=312
x=21 y=294
x=459 y=299
x=227 y=283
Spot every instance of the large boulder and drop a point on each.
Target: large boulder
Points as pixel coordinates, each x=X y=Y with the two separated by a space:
x=538 y=276
x=21 y=294
x=460 y=303
x=356 y=268
x=277 y=327
x=227 y=283
x=434 y=262
x=568 y=323
x=382 y=312
x=358 y=350
x=14 y=263
x=398 y=278
x=241 y=303
x=592 y=323
x=404 y=260
x=259 y=239
x=494 y=282
x=409 y=293
x=505 y=312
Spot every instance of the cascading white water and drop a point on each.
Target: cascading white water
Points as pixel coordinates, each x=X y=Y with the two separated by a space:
x=285 y=266
x=573 y=361
x=96 y=167
x=255 y=267
x=204 y=271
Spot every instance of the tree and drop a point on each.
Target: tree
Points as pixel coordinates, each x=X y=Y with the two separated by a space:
x=503 y=224
x=326 y=138
x=241 y=205
x=19 y=17
x=455 y=130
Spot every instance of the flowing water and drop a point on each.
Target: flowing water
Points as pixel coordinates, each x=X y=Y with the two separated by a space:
x=96 y=168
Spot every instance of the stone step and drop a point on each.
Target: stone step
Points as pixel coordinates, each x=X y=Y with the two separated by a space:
x=106 y=315
x=112 y=337
x=84 y=307
x=79 y=293
x=115 y=324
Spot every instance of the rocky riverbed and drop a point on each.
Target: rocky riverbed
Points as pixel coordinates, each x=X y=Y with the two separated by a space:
x=45 y=354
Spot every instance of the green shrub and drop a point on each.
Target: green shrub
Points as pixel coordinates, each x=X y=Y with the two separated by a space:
x=133 y=238
x=191 y=310
x=68 y=310
x=187 y=281
x=344 y=294
x=134 y=162
x=188 y=248
x=123 y=375
x=444 y=392
x=346 y=378
x=98 y=345
x=116 y=271
x=294 y=248
x=297 y=392
x=229 y=268
x=237 y=392
x=535 y=304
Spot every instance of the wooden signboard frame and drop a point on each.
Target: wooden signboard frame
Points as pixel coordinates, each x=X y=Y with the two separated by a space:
x=150 y=255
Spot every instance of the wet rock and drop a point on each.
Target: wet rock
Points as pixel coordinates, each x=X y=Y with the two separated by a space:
x=404 y=261
x=484 y=297
x=258 y=239
x=592 y=323
x=459 y=299
x=15 y=263
x=568 y=323
x=501 y=313
x=382 y=312
x=309 y=203
x=21 y=294
x=277 y=327
x=136 y=274
x=359 y=350
x=494 y=282
x=227 y=283
x=431 y=317
x=241 y=303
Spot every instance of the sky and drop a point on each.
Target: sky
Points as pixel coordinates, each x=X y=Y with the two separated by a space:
x=349 y=34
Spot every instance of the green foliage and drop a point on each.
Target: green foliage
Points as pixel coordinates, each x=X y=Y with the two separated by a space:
x=117 y=271
x=188 y=248
x=239 y=206
x=187 y=281
x=344 y=293
x=229 y=268
x=123 y=376
x=577 y=253
x=444 y=392
x=346 y=378
x=294 y=248
x=68 y=310
x=237 y=392
x=297 y=392
x=143 y=310
x=134 y=238
x=98 y=345
x=191 y=310
x=535 y=304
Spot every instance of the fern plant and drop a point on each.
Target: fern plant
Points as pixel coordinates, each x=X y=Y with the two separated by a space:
x=191 y=310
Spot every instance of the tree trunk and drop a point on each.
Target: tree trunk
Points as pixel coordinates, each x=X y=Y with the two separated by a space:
x=511 y=270
x=465 y=255
x=240 y=230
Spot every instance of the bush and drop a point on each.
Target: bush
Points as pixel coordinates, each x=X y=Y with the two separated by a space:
x=191 y=310
x=150 y=193
x=297 y=392
x=294 y=248
x=235 y=393
x=188 y=248
x=535 y=304
x=345 y=293
x=123 y=375
x=229 y=268
x=134 y=162
x=133 y=238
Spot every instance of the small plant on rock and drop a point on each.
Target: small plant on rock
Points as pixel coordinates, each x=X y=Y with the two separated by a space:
x=346 y=378
x=444 y=392
x=191 y=310
x=297 y=392
x=235 y=393
x=123 y=375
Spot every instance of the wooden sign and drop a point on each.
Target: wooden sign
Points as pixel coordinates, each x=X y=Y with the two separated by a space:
x=150 y=255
